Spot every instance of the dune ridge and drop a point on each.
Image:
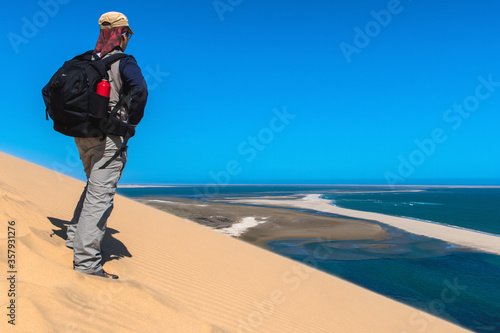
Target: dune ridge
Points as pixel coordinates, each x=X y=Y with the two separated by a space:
x=175 y=275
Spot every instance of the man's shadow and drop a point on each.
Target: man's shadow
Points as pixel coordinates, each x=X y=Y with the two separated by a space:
x=112 y=248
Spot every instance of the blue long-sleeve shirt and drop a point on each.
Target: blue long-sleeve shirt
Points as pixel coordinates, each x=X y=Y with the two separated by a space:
x=134 y=81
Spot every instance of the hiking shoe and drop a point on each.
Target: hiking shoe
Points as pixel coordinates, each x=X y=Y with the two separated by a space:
x=104 y=274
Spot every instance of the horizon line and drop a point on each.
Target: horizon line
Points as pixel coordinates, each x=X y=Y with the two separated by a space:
x=278 y=184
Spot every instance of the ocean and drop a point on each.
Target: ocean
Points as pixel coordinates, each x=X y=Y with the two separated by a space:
x=471 y=208
x=456 y=283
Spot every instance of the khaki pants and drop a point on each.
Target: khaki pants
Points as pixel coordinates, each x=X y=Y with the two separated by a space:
x=87 y=228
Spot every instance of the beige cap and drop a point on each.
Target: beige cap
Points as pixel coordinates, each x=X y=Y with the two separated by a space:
x=111 y=20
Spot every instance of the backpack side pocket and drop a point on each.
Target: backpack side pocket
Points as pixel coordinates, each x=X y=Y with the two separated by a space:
x=98 y=105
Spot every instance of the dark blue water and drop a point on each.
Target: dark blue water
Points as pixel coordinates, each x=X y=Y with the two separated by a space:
x=449 y=281
x=214 y=191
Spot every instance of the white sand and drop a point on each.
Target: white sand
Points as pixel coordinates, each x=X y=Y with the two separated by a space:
x=240 y=227
x=175 y=202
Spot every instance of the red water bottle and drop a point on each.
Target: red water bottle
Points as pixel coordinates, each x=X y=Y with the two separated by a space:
x=103 y=88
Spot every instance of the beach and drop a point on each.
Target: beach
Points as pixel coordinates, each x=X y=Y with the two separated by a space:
x=175 y=275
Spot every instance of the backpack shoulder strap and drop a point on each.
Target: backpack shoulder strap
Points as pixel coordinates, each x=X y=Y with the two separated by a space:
x=108 y=61
x=85 y=56
x=101 y=65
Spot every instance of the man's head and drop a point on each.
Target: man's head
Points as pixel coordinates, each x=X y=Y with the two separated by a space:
x=115 y=31
x=111 y=20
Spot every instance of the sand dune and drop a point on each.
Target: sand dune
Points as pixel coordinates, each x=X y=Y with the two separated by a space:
x=175 y=275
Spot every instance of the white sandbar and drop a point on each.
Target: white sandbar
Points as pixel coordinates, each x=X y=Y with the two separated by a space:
x=477 y=240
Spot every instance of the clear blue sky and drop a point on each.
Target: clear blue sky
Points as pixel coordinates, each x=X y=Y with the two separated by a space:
x=322 y=91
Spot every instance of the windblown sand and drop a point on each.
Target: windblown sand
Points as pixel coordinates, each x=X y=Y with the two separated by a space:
x=175 y=275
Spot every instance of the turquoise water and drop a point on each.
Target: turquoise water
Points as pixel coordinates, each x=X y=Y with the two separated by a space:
x=449 y=281
x=471 y=208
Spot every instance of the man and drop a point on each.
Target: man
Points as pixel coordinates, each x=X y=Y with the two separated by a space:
x=128 y=87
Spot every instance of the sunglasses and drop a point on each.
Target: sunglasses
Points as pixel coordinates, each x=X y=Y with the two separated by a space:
x=128 y=34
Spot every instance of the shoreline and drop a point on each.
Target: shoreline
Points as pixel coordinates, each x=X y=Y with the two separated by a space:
x=438 y=223
x=460 y=236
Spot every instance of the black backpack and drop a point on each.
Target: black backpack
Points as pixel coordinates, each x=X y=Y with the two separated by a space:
x=73 y=104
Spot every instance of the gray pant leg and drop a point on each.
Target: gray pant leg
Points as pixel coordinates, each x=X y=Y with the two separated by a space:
x=87 y=148
x=70 y=233
x=98 y=202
